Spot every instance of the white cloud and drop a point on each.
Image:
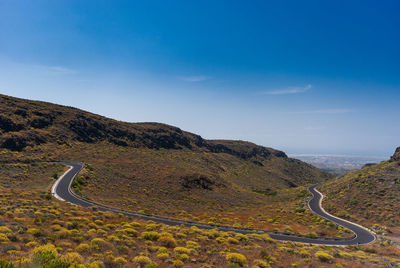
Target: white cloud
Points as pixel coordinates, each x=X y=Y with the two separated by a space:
x=195 y=78
x=54 y=69
x=289 y=90
x=38 y=69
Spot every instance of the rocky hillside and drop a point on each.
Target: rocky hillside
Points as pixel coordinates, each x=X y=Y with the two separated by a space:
x=370 y=195
x=26 y=123
x=150 y=166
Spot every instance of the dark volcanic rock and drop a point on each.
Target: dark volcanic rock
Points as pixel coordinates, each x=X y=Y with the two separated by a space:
x=245 y=150
x=396 y=155
x=26 y=123
x=14 y=143
x=21 y=112
x=17 y=141
x=197 y=181
x=41 y=122
x=6 y=124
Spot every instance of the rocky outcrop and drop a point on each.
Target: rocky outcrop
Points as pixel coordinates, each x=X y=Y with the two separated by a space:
x=396 y=155
x=197 y=181
x=26 y=123
x=7 y=125
x=242 y=149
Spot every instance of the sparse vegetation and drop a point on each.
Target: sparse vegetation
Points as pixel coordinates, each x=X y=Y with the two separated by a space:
x=229 y=183
x=377 y=191
x=159 y=169
x=323 y=256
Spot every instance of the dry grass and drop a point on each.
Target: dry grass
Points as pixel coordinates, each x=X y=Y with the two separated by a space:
x=36 y=230
x=159 y=169
x=370 y=196
x=144 y=180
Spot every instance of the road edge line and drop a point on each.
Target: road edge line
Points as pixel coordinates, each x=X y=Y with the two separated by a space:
x=54 y=187
x=323 y=210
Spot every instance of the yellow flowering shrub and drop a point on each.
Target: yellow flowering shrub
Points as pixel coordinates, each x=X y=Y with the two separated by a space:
x=236 y=258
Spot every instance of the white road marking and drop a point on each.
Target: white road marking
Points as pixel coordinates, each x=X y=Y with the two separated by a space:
x=54 y=187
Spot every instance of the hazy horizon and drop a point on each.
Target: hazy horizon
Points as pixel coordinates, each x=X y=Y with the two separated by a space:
x=309 y=77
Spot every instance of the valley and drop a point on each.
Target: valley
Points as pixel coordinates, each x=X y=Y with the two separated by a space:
x=199 y=134
x=161 y=170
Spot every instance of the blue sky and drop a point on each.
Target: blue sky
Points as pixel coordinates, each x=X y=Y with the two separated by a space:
x=300 y=76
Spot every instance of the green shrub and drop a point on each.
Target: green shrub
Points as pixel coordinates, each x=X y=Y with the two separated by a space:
x=57 y=264
x=232 y=240
x=236 y=258
x=162 y=250
x=122 y=249
x=120 y=260
x=135 y=224
x=3 y=238
x=162 y=256
x=267 y=257
x=98 y=243
x=5 y=230
x=183 y=257
x=45 y=257
x=153 y=236
x=72 y=257
x=63 y=233
x=47 y=195
x=142 y=260
x=6 y=264
x=82 y=248
x=35 y=232
x=192 y=244
x=324 y=256
x=182 y=250
x=167 y=241
x=261 y=264
x=178 y=263
x=130 y=232
x=46 y=248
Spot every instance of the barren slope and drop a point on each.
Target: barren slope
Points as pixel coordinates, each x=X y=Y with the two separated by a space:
x=370 y=195
x=158 y=168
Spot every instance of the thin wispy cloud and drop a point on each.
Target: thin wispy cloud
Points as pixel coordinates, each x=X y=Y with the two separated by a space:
x=54 y=69
x=195 y=78
x=325 y=111
x=289 y=90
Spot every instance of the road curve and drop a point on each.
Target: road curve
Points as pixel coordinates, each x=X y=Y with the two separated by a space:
x=62 y=191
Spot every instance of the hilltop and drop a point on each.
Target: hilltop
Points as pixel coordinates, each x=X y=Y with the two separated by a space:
x=26 y=123
x=370 y=196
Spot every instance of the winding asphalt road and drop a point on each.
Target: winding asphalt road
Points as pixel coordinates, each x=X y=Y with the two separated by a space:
x=62 y=191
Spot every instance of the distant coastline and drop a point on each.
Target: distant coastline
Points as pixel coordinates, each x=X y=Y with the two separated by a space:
x=338 y=164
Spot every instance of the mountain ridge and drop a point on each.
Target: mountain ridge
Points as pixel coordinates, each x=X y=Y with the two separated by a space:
x=26 y=123
x=152 y=166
